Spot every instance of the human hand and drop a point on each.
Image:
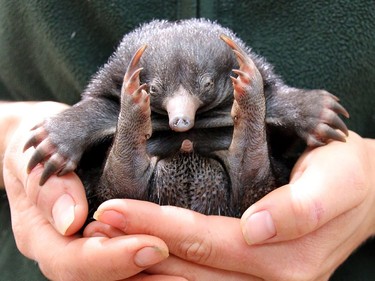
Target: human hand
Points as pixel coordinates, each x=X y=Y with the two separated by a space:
x=301 y=231
x=40 y=215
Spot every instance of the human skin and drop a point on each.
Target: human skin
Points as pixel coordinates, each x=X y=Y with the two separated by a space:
x=317 y=220
x=36 y=211
x=324 y=214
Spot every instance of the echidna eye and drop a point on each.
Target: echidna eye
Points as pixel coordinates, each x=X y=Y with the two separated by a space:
x=153 y=90
x=206 y=84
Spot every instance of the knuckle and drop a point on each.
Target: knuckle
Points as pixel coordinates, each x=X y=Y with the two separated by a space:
x=196 y=250
x=308 y=214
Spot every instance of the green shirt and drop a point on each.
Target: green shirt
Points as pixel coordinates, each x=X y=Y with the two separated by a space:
x=50 y=49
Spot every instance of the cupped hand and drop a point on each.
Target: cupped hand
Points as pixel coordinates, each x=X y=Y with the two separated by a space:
x=45 y=218
x=301 y=231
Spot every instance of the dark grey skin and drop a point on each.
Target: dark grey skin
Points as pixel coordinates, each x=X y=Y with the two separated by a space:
x=165 y=120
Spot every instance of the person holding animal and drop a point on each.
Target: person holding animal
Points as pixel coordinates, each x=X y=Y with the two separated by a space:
x=253 y=121
x=299 y=216
x=280 y=226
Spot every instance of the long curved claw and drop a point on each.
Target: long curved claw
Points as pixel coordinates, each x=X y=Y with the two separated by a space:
x=230 y=42
x=240 y=58
x=330 y=118
x=47 y=153
x=56 y=164
x=135 y=59
x=38 y=134
x=37 y=157
x=337 y=123
x=245 y=63
x=327 y=132
x=243 y=75
x=322 y=134
x=137 y=94
x=131 y=78
x=333 y=96
x=131 y=84
x=42 y=152
x=249 y=79
x=314 y=142
x=323 y=119
x=31 y=142
x=49 y=169
x=338 y=108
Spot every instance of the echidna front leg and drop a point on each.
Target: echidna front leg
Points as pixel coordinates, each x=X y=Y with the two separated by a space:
x=248 y=158
x=127 y=169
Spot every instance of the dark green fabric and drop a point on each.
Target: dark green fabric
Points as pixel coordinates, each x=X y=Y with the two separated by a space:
x=49 y=50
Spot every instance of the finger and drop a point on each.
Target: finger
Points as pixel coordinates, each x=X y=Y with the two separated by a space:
x=218 y=242
x=100 y=258
x=147 y=277
x=189 y=235
x=173 y=265
x=325 y=183
x=62 y=200
x=192 y=271
x=74 y=258
x=99 y=229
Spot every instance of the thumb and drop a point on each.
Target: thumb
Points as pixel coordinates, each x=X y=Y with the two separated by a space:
x=62 y=200
x=323 y=185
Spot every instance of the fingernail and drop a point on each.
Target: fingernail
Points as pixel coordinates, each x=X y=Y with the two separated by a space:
x=63 y=213
x=149 y=256
x=259 y=227
x=111 y=217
